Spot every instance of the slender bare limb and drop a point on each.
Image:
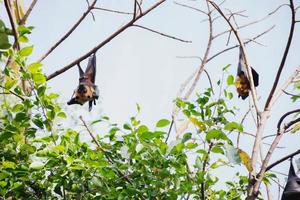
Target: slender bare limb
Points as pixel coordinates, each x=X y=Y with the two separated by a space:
x=290 y=94
x=235 y=46
x=13 y=93
x=112 y=36
x=190 y=7
x=162 y=34
x=112 y=11
x=252 y=23
x=279 y=92
x=13 y=22
x=282 y=159
x=204 y=60
x=170 y=129
x=284 y=57
x=284 y=116
x=29 y=10
x=65 y=36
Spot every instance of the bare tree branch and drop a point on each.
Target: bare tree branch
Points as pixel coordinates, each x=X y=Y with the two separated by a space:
x=13 y=93
x=290 y=94
x=283 y=117
x=235 y=46
x=162 y=34
x=13 y=22
x=65 y=36
x=112 y=36
x=284 y=57
x=252 y=23
x=23 y=20
x=282 y=159
x=112 y=11
x=190 y=7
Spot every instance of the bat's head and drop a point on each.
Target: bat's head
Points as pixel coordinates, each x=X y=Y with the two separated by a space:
x=84 y=93
x=82 y=89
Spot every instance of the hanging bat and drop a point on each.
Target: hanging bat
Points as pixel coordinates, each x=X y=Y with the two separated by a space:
x=292 y=187
x=86 y=90
x=242 y=80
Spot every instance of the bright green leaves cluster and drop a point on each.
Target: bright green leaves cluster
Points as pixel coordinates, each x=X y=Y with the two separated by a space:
x=210 y=118
x=4 y=32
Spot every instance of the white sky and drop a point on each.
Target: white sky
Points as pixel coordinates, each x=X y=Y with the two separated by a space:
x=141 y=67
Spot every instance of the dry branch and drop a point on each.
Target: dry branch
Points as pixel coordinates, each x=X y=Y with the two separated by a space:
x=162 y=34
x=112 y=36
x=23 y=20
x=69 y=32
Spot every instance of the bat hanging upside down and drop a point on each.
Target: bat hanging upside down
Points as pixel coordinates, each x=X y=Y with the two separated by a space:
x=242 y=81
x=86 y=90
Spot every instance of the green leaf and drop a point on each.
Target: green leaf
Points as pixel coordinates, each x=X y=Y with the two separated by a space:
x=142 y=129
x=226 y=67
x=138 y=107
x=233 y=126
x=38 y=122
x=62 y=115
x=23 y=39
x=8 y=165
x=24 y=30
x=191 y=145
x=217 y=149
x=162 y=123
x=230 y=80
x=39 y=78
x=3 y=184
x=4 y=43
x=215 y=134
x=21 y=116
x=36 y=165
x=127 y=126
x=186 y=137
x=150 y=135
x=232 y=154
x=26 y=51
x=35 y=67
x=18 y=108
x=9 y=83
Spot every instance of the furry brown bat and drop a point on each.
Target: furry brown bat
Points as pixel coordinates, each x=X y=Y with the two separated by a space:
x=86 y=90
x=242 y=80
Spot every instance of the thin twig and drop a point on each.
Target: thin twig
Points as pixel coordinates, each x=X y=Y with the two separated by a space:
x=290 y=94
x=23 y=20
x=13 y=93
x=91 y=134
x=282 y=159
x=170 y=129
x=204 y=61
x=191 y=7
x=235 y=46
x=251 y=23
x=65 y=36
x=284 y=116
x=112 y=36
x=162 y=34
x=284 y=57
x=12 y=22
x=112 y=11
